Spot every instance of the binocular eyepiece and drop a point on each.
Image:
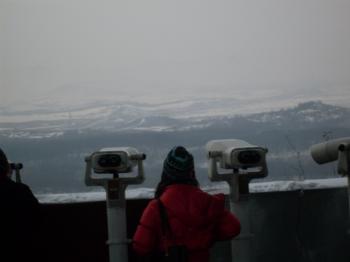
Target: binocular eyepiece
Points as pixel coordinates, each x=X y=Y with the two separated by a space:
x=16 y=166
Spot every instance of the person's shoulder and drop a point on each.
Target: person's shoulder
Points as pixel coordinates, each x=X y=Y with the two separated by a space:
x=21 y=187
x=152 y=206
x=8 y=185
x=211 y=197
x=17 y=193
x=150 y=212
x=216 y=203
x=23 y=191
x=8 y=182
x=219 y=197
x=153 y=202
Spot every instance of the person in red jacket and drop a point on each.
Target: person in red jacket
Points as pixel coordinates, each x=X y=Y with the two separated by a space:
x=196 y=219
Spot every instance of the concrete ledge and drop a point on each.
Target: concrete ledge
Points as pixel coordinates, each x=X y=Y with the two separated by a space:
x=217 y=187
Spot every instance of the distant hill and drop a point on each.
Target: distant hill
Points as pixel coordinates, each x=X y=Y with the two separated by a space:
x=168 y=117
x=306 y=115
x=53 y=150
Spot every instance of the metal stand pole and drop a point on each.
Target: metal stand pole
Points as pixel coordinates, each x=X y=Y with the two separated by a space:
x=117 y=239
x=348 y=220
x=18 y=176
x=116 y=204
x=226 y=153
x=242 y=245
x=344 y=170
x=116 y=207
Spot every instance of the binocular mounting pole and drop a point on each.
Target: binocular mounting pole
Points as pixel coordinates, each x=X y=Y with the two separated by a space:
x=116 y=207
x=344 y=168
x=239 y=196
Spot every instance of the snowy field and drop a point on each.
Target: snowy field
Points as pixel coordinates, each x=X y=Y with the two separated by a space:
x=220 y=187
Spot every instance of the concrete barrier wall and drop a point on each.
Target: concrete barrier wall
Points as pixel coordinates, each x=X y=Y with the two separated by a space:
x=300 y=226
x=287 y=226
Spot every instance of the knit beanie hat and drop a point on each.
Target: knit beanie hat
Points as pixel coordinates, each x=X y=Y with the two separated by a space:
x=4 y=164
x=178 y=165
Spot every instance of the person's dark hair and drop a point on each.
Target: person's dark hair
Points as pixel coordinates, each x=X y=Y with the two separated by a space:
x=178 y=168
x=4 y=164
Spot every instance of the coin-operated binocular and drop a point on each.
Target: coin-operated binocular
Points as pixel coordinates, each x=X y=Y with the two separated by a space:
x=237 y=162
x=245 y=162
x=333 y=150
x=113 y=162
x=17 y=168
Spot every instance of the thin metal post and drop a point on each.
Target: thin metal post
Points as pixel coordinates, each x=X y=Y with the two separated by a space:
x=117 y=238
x=241 y=246
x=348 y=205
x=18 y=176
x=116 y=221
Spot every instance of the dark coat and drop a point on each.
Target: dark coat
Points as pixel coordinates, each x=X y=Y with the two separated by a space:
x=196 y=218
x=19 y=221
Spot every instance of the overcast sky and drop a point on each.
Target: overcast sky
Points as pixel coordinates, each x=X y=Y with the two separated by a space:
x=153 y=50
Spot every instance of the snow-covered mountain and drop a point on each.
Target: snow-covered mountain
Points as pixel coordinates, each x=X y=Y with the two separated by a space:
x=56 y=163
x=175 y=116
x=309 y=113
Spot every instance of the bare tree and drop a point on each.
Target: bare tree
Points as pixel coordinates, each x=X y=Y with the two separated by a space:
x=299 y=168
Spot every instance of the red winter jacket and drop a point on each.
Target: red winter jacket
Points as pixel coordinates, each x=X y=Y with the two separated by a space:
x=196 y=218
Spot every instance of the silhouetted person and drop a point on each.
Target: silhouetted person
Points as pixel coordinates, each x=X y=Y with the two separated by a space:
x=19 y=217
x=195 y=219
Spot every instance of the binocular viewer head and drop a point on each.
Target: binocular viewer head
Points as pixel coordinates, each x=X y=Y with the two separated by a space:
x=238 y=155
x=333 y=150
x=115 y=160
x=235 y=154
x=16 y=166
x=329 y=151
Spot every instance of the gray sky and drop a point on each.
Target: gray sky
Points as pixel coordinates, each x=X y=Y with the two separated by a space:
x=160 y=50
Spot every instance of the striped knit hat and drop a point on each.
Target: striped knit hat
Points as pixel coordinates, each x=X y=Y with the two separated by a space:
x=178 y=166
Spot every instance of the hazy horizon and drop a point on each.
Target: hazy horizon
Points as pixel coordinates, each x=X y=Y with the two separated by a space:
x=72 y=52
